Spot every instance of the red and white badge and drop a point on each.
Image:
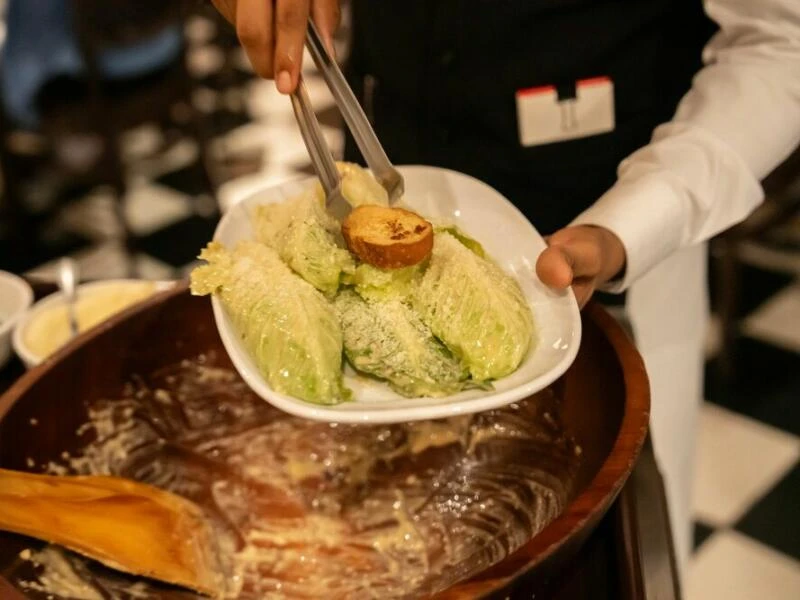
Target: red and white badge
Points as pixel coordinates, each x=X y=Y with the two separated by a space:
x=542 y=117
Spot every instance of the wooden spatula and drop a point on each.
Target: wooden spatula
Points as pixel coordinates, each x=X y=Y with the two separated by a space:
x=126 y=525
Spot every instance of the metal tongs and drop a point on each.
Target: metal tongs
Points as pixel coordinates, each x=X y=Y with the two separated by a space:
x=357 y=123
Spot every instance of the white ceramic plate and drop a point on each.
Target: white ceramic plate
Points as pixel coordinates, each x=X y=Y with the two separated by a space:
x=442 y=196
x=15 y=298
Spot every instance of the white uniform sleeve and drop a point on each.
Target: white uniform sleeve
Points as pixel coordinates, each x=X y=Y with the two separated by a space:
x=700 y=173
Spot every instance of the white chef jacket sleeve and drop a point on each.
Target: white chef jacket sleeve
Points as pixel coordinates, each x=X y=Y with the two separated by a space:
x=700 y=173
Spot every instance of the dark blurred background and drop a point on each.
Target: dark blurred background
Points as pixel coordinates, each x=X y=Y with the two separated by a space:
x=127 y=127
x=121 y=122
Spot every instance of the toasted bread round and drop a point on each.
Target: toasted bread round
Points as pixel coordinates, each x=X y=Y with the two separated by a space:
x=388 y=238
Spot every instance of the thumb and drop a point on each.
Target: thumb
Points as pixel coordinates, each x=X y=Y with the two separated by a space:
x=555 y=267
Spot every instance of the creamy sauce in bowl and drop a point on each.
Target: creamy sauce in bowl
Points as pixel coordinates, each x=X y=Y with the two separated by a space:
x=47 y=328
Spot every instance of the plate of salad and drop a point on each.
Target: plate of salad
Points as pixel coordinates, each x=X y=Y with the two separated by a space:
x=424 y=310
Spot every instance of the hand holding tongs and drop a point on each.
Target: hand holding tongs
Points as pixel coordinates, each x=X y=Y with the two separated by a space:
x=356 y=121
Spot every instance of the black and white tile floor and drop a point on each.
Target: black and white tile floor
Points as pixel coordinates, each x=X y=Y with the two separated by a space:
x=747 y=480
x=747 y=489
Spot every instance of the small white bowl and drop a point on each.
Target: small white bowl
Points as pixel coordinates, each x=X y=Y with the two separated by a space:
x=85 y=292
x=508 y=237
x=16 y=296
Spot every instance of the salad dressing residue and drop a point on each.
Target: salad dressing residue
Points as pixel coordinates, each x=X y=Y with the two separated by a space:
x=316 y=510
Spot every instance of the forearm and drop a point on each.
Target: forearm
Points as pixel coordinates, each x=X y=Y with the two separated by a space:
x=700 y=174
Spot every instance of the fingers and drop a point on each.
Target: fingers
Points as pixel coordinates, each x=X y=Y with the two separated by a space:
x=564 y=261
x=255 y=31
x=574 y=257
x=582 y=257
x=273 y=32
x=227 y=8
x=581 y=248
x=326 y=15
x=291 y=18
x=554 y=268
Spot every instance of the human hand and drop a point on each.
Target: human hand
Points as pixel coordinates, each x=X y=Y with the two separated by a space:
x=582 y=256
x=273 y=32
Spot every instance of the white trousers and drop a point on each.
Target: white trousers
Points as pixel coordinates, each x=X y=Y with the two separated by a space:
x=668 y=311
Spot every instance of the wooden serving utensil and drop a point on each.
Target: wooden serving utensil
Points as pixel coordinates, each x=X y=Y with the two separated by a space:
x=126 y=525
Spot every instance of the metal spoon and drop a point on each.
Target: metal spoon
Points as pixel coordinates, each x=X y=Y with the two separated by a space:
x=67 y=282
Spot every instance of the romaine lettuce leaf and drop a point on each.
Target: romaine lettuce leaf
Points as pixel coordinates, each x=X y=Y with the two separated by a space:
x=373 y=283
x=390 y=341
x=475 y=308
x=288 y=327
x=305 y=237
x=359 y=187
x=462 y=237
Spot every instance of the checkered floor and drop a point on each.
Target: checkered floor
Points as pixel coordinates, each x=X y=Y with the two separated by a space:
x=747 y=485
x=747 y=489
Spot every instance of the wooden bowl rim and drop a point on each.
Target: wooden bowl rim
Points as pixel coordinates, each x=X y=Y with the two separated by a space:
x=605 y=485
x=33 y=374
x=607 y=482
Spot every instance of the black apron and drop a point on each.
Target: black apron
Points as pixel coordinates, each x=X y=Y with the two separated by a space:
x=438 y=80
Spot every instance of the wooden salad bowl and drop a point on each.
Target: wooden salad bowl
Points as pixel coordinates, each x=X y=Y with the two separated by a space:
x=603 y=404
